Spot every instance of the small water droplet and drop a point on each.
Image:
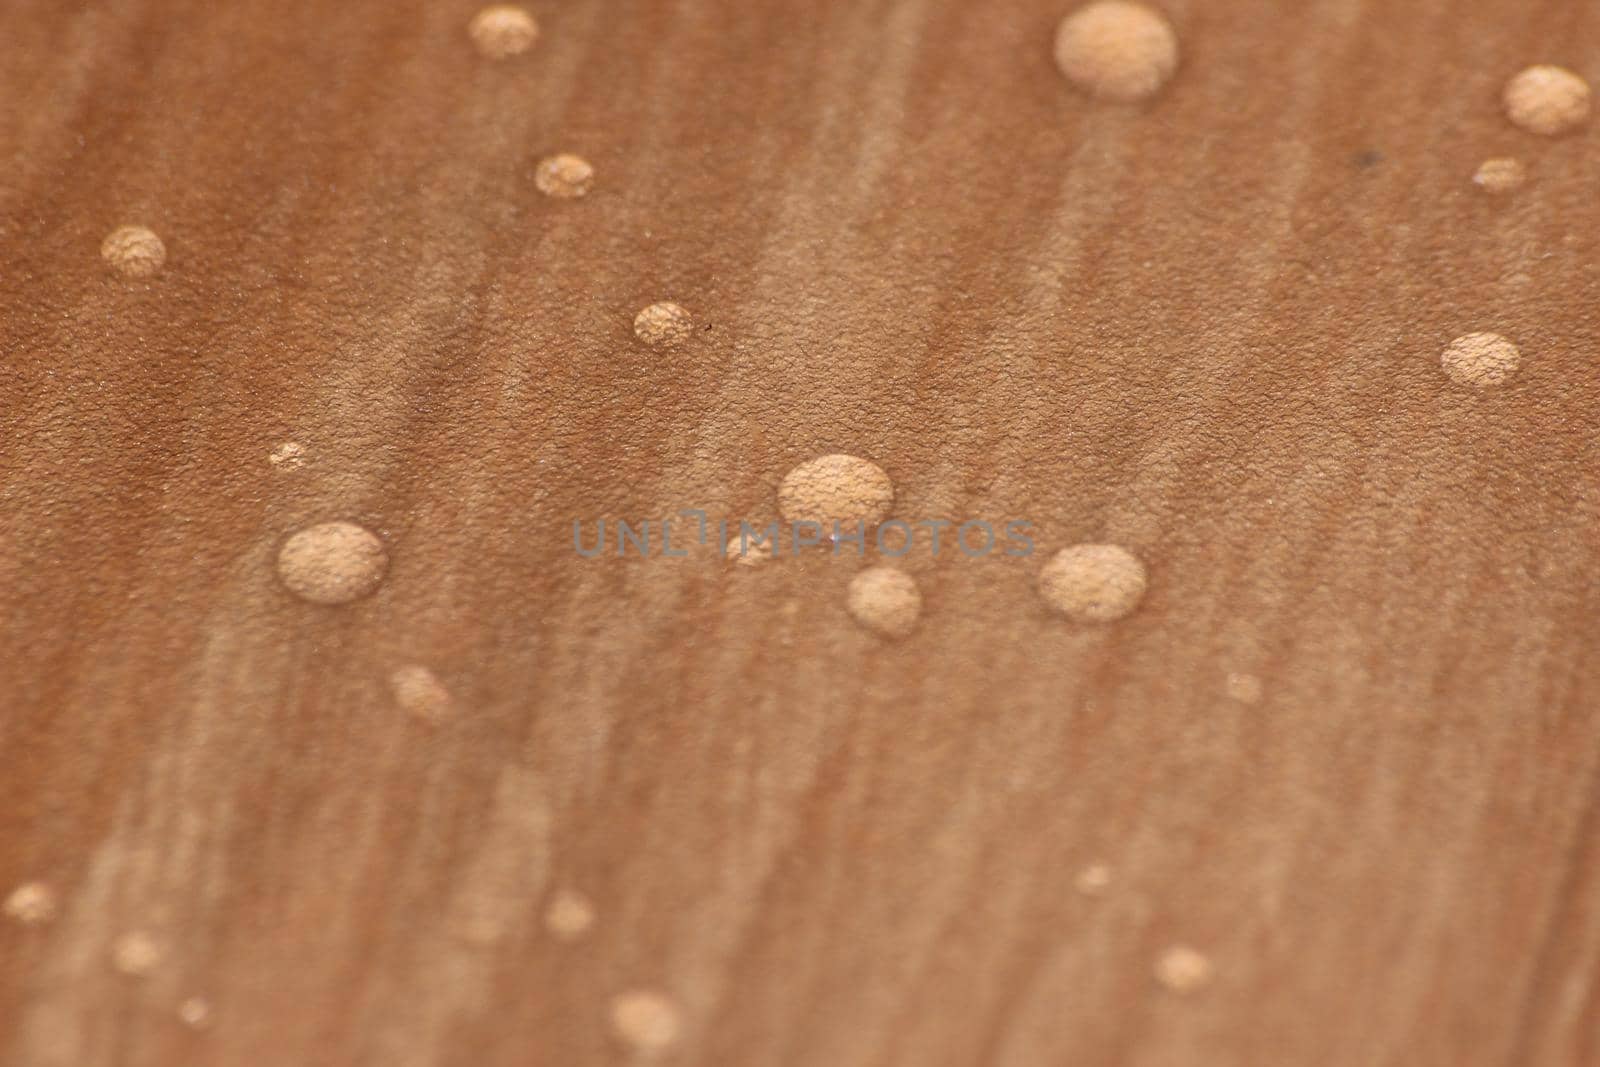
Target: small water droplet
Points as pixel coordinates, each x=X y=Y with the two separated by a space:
x=503 y=30
x=195 y=1013
x=663 y=325
x=419 y=692
x=1183 y=969
x=564 y=176
x=1093 y=879
x=133 y=252
x=1547 y=100
x=332 y=562
x=1500 y=175
x=886 y=601
x=136 y=954
x=569 y=915
x=1480 y=359
x=841 y=489
x=1093 y=583
x=1116 y=50
x=31 y=903
x=288 y=456
x=646 y=1020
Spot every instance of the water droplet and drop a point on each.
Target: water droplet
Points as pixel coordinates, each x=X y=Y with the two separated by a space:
x=288 y=456
x=885 y=600
x=645 y=1020
x=1183 y=970
x=836 y=489
x=1116 y=50
x=1480 y=359
x=1547 y=100
x=663 y=325
x=1093 y=879
x=1245 y=688
x=195 y=1013
x=31 y=903
x=564 y=176
x=136 y=954
x=332 y=563
x=1093 y=583
x=569 y=915
x=133 y=252
x=419 y=692
x=503 y=30
x=1500 y=175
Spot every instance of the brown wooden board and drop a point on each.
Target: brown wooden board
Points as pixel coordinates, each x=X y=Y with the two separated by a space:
x=1346 y=748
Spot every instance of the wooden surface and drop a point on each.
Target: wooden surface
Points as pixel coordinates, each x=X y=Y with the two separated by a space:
x=1205 y=328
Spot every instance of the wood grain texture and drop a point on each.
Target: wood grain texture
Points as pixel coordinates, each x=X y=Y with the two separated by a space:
x=1207 y=328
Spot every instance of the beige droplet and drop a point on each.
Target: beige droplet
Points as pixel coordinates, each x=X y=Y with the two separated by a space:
x=1480 y=359
x=332 y=563
x=195 y=1013
x=663 y=325
x=1115 y=50
x=1183 y=970
x=885 y=600
x=569 y=915
x=1093 y=583
x=645 y=1020
x=288 y=456
x=1500 y=175
x=1547 y=100
x=31 y=903
x=136 y=954
x=1093 y=879
x=133 y=252
x=564 y=176
x=419 y=692
x=1245 y=688
x=836 y=489
x=503 y=30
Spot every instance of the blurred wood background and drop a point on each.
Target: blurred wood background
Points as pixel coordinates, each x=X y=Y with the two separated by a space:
x=1206 y=328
